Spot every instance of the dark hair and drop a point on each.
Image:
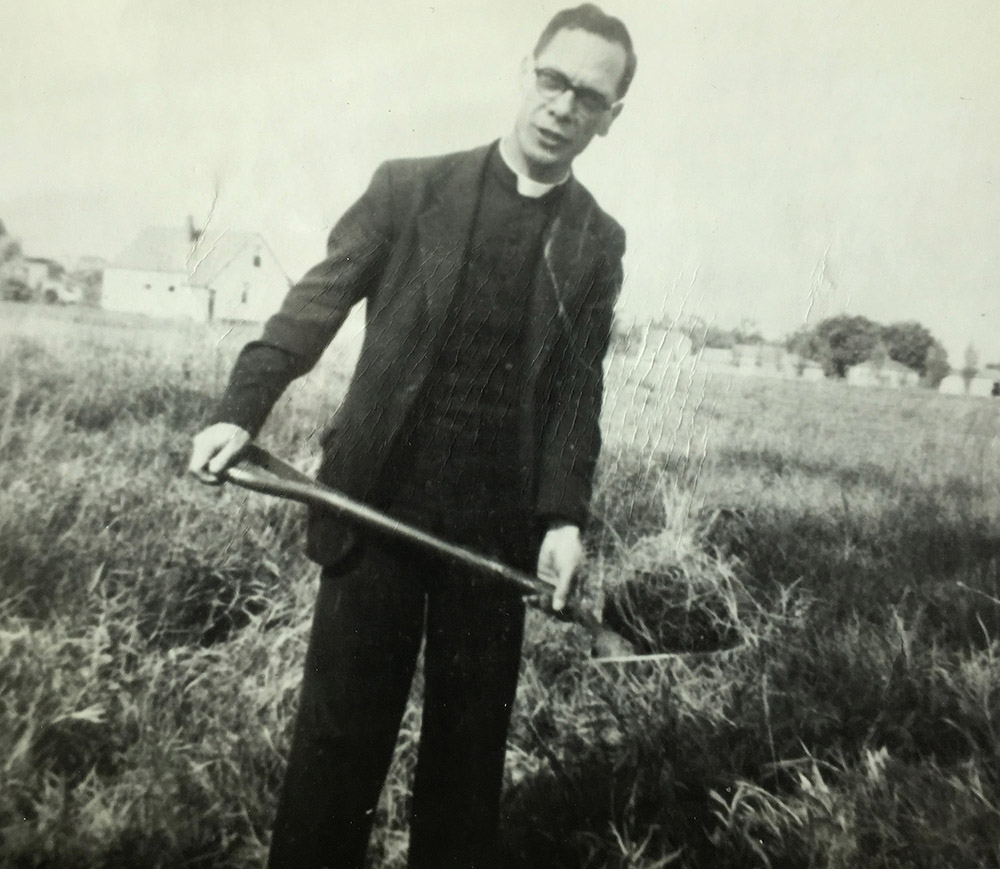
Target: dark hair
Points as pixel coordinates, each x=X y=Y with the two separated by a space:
x=589 y=17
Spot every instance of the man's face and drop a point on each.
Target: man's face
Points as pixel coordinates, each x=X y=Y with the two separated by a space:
x=552 y=128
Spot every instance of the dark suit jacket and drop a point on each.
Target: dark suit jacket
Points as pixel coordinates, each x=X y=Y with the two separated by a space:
x=401 y=247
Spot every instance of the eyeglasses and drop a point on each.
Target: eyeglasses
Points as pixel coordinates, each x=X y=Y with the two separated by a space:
x=550 y=83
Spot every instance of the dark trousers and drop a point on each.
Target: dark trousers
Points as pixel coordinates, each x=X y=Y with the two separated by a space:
x=368 y=624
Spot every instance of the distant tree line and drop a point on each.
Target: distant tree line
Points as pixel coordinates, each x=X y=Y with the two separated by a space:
x=839 y=343
x=704 y=334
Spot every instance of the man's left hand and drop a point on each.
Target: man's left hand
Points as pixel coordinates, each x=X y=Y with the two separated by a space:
x=558 y=559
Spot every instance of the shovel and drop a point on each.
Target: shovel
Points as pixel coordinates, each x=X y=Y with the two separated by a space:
x=260 y=471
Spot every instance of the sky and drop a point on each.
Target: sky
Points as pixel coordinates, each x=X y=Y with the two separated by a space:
x=777 y=161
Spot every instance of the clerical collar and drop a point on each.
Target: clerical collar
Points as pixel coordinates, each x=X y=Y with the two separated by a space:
x=528 y=186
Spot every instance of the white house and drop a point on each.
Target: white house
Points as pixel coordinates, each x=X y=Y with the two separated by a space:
x=981 y=385
x=168 y=272
x=887 y=373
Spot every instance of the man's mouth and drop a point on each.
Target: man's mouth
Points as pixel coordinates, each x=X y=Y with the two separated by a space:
x=550 y=139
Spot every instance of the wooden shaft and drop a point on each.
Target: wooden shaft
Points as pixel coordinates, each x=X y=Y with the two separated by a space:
x=260 y=471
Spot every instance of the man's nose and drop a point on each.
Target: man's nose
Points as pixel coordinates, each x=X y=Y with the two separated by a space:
x=562 y=106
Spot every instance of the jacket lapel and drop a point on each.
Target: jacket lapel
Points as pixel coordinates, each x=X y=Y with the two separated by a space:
x=569 y=251
x=570 y=246
x=568 y=254
x=445 y=224
x=444 y=227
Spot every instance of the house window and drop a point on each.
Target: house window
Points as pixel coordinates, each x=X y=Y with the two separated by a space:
x=149 y=286
x=256 y=261
x=170 y=289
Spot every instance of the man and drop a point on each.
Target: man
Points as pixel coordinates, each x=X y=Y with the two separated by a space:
x=490 y=277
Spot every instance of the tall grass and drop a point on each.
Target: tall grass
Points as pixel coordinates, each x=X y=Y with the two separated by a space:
x=841 y=546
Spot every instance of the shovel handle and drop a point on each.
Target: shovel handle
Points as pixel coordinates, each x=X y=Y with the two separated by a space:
x=260 y=471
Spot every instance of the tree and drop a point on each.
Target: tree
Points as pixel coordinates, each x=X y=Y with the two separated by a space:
x=89 y=279
x=879 y=357
x=696 y=329
x=837 y=343
x=971 y=367
x=804 y=345
x=746 y=333
x=908 y=343
x=719 y=339
x=936 y=367
x=10 y=247
x=704 y=334
x=12 y=285
x=802 y=342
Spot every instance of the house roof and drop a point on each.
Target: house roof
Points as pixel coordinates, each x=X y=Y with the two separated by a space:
x=169 y=249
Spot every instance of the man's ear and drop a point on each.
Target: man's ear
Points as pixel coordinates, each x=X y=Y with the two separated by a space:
x=527 y=69
x=609 y=118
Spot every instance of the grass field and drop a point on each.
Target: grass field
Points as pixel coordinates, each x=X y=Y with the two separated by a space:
x=845 y=542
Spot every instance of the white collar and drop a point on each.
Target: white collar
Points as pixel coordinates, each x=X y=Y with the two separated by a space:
x=527 y=186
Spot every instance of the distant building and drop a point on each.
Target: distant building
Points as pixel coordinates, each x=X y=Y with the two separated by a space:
x=763 y=360
x=981 y=385
x=39 y=270
x=182 y=273
x=37 y=279
x=885 y=373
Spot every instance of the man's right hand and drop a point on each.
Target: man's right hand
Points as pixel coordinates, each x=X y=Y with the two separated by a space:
x=214 y=449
